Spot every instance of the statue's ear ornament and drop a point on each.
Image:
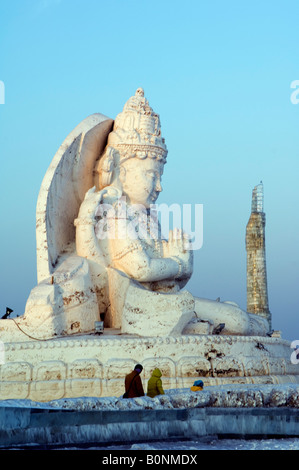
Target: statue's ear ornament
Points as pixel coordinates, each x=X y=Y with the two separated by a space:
x=105 y=167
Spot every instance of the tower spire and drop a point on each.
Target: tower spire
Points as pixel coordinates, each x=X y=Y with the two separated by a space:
x=257 y=290
x=257 y=203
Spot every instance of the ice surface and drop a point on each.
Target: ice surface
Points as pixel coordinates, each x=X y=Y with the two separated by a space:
x=221 y=444
x=215 y=444
x=211 y=443
x=213 y=396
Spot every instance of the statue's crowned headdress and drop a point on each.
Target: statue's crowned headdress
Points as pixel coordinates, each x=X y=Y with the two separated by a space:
x=136 y=134
x=137 y=128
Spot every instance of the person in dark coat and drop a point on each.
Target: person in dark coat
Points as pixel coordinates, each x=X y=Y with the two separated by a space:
x=133 y=384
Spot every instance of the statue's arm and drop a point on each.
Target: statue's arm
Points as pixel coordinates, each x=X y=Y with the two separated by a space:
x=130 y=257
x=86 y=241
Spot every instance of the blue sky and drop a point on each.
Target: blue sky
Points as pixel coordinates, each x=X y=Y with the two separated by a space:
x=219 y=74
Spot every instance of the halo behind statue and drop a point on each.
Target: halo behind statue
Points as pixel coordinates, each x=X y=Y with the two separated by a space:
x=69 y=176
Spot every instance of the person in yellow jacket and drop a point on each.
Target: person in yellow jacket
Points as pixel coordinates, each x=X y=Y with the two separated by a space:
x=154 y=385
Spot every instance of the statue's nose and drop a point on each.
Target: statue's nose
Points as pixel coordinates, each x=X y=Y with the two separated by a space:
x=158 y=186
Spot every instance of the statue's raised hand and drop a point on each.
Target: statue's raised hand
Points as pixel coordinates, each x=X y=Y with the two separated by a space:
x=178 y=248
x=90 y=204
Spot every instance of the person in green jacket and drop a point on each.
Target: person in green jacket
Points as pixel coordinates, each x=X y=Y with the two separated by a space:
x=154 y=385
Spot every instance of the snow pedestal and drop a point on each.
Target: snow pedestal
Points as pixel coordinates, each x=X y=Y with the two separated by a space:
x=95 y=366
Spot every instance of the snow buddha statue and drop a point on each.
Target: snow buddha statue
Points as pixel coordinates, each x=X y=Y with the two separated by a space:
x=100 y=251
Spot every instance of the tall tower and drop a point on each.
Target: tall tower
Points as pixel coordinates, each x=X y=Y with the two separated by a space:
x=257 y=290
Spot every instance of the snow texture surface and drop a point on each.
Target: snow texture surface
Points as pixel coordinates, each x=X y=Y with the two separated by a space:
x=249 y=396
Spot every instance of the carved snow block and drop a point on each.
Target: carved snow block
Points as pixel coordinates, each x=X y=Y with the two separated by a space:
x=193 y=367
x=83 y=388
x=154 y=314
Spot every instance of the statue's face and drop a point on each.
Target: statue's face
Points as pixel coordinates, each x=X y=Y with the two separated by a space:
x=141 y=180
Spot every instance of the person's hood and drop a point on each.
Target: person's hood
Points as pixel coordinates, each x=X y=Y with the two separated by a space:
x=156 y=373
